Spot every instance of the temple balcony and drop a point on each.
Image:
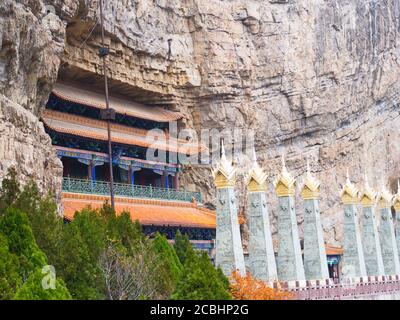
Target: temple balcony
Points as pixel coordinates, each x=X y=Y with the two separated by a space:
x=73 y=185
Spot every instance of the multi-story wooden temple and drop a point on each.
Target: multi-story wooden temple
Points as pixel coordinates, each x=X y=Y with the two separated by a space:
x=149 y=190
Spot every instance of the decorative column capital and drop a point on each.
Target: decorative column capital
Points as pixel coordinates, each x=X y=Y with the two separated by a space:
x=285 y=184
x=256 y=179
x=396 y=198
x=349 y=192
x=367 y=195
x=224 y=173
x=311 y=186
x=384 y=198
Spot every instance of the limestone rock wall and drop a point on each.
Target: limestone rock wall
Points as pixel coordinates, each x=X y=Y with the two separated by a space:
x=31 y=44
x=312 y=78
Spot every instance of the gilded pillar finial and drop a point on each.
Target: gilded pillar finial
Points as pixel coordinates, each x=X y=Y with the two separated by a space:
x=224 y=173
x=311 y=186
x=384 y=197
x=349 y=191
x=256 y=180
x=368 y=194
x=284 y=183
x=396 y=198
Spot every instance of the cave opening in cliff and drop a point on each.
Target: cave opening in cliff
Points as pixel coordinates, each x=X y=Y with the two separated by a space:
x=76 y=76
x=73 y=119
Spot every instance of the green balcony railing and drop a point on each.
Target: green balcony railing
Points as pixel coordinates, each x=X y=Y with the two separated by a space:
x=127 y=190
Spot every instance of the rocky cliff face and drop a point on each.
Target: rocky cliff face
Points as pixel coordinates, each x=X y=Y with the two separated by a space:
x=314 y=79
x=31 y=44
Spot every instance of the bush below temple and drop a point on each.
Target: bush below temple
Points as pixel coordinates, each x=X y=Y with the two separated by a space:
x=83 y=252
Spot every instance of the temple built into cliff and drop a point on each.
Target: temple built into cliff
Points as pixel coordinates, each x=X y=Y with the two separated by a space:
x=148 y=190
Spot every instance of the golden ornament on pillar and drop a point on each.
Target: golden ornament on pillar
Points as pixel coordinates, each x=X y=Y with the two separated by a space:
x=368 y=194
x=256 y=180
x=384 y=198
x=224 y=173
x=285 y=184
x=311 y=186
x=349 y=192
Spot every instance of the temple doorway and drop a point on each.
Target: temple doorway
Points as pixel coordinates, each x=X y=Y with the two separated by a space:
x=74 y=169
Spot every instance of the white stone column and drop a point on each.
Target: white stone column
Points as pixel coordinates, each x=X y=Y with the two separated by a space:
x=289 y=261
x=261 y=252
x=315 y=261
x=229 y=250
x=388 y=239
x=396 y=205
x=353 y=256
x=370 y=236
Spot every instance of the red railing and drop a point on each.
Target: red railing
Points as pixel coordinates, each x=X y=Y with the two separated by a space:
x=328 y=290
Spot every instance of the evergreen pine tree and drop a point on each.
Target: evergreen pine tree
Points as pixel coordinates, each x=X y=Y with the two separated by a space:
x=45 y=223
x=200 y=280
x=10 y=278
x=14 y=225
x=170 y=267
x=121 y=229
x=33 y=289
x=9 y=191
x=83 y=241
x=181 y=245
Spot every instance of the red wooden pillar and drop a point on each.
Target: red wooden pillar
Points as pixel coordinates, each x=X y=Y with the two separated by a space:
x=163 y=182
x=176 y=181
x=90 y=170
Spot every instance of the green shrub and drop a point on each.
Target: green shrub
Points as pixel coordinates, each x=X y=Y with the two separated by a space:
x=33 y=289
x=200 y=280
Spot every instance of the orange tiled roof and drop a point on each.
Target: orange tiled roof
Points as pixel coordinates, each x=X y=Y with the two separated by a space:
x=81 y=96
x=333 y=251
x=97 y=129
x=148 y=212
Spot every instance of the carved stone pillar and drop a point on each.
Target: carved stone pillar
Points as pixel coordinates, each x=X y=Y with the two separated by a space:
x=396 y=205
x=289 y=260
x=261 y=252
x=229 y=250
x=370 y=235
x=353 y=255
x=388 y=239
x=315 y=261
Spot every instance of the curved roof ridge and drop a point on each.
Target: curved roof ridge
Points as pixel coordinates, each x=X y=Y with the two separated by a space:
x=122 y=106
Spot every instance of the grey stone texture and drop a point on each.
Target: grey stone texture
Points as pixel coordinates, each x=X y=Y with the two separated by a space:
x=261 y=252
x=303 y=69
x=371 y=243
x=397 y=228
x=315 y=262
x=353 y=255
x=388 y=243
x=289 y=260
x=229 y=251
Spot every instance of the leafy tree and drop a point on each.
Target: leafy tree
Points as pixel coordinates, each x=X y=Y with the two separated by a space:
x=9 y=190
x=42 y=213
x=121 y=229
x=169 y=266
x=14 y=225
x=131 y=277
x=181 y=245
x=33 y=289
x=10 y=278
x=249 y=288
x=200 y=280
x=82 y=243
x=168 y=255
x=23 y=260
